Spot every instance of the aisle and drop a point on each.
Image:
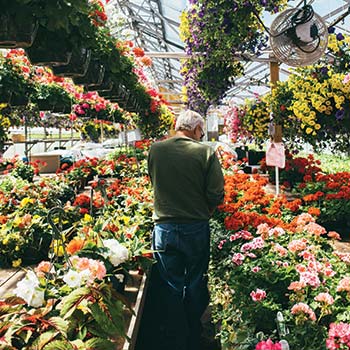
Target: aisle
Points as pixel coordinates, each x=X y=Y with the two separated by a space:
x=151 y=333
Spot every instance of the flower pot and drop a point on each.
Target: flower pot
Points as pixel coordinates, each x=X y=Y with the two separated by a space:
x=77 y=66
x=49 y=49
x=255 y=157
x=94 y=75
x=105 y=87
x=15 y=33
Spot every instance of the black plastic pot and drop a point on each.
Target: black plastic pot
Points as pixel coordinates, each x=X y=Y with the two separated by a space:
x=16 y=33
x=77 y=66
x=255 y=157
x=94 y=75
x=49 y=49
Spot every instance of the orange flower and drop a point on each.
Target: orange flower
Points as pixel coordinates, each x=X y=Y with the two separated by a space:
x=75 y=245
x=314 y=211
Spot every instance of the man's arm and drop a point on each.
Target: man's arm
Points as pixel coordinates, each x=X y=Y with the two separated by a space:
x=214 y=184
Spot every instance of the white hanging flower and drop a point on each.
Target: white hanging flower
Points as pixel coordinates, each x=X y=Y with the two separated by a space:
x=117 y=253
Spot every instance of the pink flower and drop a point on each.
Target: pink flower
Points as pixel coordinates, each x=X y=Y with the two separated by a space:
x=238 y=259
x=302 y=308
x=344 y=285
x=338 y=336
x=256 y=269
x=258 y=295
x=324 y=298
x=268 y=345
x=315 y=229
x=346 y=79
x=296 y=286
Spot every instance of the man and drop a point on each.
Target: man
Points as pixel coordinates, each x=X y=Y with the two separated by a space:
x=188 y=185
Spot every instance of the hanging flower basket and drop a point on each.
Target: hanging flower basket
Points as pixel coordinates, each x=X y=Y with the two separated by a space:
x=15 y=32
x=94 y=75
x=77 y=66
x=49 y=49
x=105 y=87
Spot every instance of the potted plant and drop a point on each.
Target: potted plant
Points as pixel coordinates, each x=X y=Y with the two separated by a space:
x=52 y=97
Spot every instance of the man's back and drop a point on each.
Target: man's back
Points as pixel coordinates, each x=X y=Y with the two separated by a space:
x=187 y=180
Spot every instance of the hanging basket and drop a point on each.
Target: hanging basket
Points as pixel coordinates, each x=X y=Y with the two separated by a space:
x=105 y=87
x=49 y=49
x=94 y=75
x=16 y=33
x=77 y=66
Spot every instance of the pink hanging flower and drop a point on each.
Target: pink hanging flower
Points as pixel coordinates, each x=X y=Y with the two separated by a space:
x=346 y=79
x=268 y=345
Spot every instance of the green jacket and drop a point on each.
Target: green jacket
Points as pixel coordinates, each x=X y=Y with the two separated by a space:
x=187 y=180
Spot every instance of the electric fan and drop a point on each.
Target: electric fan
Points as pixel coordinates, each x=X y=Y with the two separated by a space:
x=298 y=37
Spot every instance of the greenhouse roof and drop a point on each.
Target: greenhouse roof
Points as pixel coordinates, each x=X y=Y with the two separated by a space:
x=154 y=26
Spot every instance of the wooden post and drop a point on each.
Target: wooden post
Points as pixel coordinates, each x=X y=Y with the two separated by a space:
x=277 y=129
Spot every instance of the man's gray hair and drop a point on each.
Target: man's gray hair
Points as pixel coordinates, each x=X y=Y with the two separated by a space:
x=188 y=120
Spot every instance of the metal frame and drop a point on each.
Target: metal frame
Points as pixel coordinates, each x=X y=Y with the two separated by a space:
x=151 y=28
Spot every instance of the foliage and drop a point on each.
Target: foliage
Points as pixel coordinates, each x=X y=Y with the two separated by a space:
x=53 y=311
x=266 y=258
x=213 y=34
x=52 y=95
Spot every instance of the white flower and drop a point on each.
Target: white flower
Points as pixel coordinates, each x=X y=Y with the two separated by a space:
x=119 y=277
x=117 y=253
x=38 y=298
x=73 y=278
x=28 y=289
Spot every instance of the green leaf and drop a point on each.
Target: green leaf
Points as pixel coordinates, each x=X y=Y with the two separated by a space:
x=68 y=303
x=60 y=324
x=103 y=321
x=99 y=344
x=59 y=345
x=44 y=339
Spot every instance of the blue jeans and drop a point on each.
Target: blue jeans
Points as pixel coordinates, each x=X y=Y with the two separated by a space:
x=182 y=254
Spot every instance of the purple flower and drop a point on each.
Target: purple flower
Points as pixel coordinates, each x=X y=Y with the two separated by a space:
x=340 y=114
x=331 y=30
x=324 y=70
x=340 y=36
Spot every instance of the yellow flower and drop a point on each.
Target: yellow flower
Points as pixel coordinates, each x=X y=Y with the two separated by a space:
x=87 y=218
x=16 y=263
x=126 y=219
x=308 y=130
x=317 y=126
x=26 y=201
x=5 y=241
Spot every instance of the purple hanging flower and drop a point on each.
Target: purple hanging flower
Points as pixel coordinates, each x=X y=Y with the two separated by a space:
x=340 y=36
x=331 y=30
x=340 y=114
